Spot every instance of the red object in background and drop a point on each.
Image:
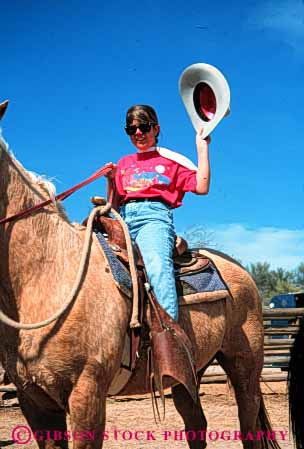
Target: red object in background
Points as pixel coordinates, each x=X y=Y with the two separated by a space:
x=204 y=101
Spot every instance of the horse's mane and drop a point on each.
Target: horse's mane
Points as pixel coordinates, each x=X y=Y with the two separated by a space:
x=41 y=183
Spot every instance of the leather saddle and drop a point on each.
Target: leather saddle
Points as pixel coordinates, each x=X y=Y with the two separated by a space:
x=171 y=350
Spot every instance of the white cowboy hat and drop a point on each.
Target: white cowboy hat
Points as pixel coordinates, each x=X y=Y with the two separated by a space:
x=206 y=96
x=3 y=107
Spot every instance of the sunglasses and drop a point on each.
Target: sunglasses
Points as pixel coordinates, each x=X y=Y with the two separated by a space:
x=143 y=127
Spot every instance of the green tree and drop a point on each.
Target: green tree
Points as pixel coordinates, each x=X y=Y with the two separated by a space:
x=299 y=276
x=263 y=278
x=274 y=282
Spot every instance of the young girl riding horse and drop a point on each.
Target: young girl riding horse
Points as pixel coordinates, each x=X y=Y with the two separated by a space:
x=147 y=185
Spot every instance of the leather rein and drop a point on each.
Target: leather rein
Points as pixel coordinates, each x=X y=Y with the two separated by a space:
x=102 y=209
x=62 y=196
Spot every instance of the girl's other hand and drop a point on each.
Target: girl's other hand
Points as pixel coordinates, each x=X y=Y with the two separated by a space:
x=113 y=168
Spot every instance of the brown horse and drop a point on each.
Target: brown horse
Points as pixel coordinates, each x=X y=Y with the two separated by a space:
x=67 y=366
x=296 y=388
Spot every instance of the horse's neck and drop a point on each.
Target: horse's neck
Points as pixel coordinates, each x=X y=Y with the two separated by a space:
x=37 y=248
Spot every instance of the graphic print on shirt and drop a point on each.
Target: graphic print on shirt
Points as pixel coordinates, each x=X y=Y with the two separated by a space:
x=135 y=178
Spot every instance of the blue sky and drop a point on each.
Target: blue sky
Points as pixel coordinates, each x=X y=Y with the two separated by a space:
x=72 y=69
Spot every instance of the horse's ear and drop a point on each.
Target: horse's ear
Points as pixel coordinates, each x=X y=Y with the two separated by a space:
x=3 y=107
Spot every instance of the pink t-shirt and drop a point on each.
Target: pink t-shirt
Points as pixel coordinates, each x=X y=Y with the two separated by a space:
x=150 y=175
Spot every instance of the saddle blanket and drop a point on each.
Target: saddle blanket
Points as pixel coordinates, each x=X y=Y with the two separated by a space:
x=192 y=285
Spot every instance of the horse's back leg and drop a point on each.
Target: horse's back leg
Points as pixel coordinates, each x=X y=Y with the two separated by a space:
x=192 y=414
x=242 y=360
x=47 y=422
x=244 y=378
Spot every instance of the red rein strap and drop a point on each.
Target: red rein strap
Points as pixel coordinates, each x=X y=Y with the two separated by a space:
x=62 y=196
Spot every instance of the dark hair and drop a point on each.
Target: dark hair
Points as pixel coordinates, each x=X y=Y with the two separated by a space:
x=143 y=113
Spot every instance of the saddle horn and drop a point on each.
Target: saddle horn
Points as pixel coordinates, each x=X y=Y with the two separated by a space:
x=3 y=107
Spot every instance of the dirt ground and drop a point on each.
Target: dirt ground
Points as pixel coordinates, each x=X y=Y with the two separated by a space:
x=125 y=416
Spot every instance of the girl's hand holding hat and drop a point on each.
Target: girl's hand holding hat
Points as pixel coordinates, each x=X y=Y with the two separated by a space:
x=201 y=142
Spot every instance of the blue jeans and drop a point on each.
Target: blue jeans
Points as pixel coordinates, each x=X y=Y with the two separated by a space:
x=151 y=225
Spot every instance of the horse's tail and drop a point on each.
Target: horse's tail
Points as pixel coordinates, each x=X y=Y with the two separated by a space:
x=268 y=440
x=296 y=388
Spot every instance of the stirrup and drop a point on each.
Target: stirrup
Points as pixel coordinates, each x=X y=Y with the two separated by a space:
x=171 y=351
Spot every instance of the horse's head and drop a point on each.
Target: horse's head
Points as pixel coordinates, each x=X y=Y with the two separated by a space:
x=3 y=107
